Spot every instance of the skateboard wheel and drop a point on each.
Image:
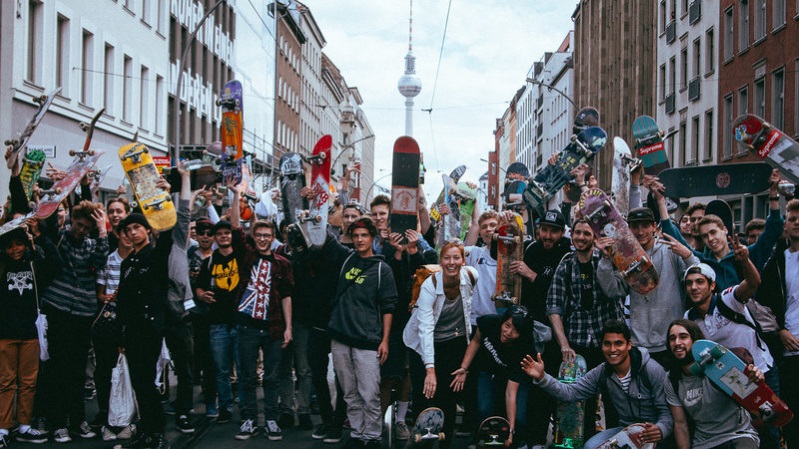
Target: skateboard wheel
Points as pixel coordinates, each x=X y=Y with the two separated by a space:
x=90 y=152
x=318 y=219
x=696 y=369
x=83 y=126
x=72 y=152
x=40 y=99
x=219 y=102
x=441 y=436
x=134 y=205
x=716 y=352
x=417 y=438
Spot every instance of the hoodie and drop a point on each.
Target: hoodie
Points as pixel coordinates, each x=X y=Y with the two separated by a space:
x=645 y=399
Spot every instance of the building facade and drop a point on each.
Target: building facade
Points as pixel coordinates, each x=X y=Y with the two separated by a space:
x=288 y=70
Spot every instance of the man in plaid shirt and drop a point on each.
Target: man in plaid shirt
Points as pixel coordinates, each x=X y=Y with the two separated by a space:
x=577 y=308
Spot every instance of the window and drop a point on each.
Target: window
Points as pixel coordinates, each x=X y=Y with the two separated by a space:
x=662 y=81
x=159 y=105
x=743 y=26
x=127 y=89
x=759 y=106
x=663 y=21
x=727 y=126
x=695 y=138
x=683 y=143
x=87 y=63
x=778 y=99
x=684 y=7
x=684 y=69
x=743 y=101
x=729 y=33
x=778 y=17
x=671 y=147
x=62 y=54
x=672 y=75
x=145 y=11
x=710 y=54
x=697 y=57
x=707 y=151
x=35 y=22
x=108 y=84
x=796 y=98
x=760 y=19
x=144 y=99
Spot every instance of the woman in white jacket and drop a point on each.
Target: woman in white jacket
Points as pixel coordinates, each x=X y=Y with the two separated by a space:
x=438 y=333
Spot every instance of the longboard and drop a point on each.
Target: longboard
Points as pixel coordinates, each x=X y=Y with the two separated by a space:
x=571 y=415
x=716 y=180
x=43 y=102
x=154 y=202
x=494 y=431
x=649 y=145
x=729 y=373
x=626 y=253
x=510 y=248
x=314 y=220
x=768 y=142
x=404 y=185
x=628 y=438
x=232 y=129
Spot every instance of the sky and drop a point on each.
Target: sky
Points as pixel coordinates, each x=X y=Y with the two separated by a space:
x=488 y=50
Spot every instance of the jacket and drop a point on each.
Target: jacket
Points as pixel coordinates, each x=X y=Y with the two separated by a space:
x=645 y=399
x=418 y=333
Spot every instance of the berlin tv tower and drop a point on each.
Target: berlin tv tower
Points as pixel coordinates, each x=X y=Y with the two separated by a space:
x=409 y=84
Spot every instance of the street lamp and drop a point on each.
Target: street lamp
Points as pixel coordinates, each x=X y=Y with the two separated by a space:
x=551 y=87
x=373 y=184
x=498 y=166
x=343 y=147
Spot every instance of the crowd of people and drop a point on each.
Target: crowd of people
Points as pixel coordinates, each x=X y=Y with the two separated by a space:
x=237 y=307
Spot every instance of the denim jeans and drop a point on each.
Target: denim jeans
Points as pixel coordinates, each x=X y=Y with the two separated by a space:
x=251 y=340
x=296 y=357
x=223 y=351
x=770 y=435
x=789 y=373
x=491 y=395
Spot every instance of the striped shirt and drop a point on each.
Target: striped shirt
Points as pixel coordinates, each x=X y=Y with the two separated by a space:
x=109 y=276
x=74 y=290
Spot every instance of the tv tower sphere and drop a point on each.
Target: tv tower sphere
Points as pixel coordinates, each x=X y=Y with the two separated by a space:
x=409 y=84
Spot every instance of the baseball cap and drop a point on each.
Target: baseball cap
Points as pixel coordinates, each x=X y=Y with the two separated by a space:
x=641 y=214
x=703 y=268
x=553 y=218
x=203 y=224
x=222 y=224
x=363 y=222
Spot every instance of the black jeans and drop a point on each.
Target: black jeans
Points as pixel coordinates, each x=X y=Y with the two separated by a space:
x=541 y=405
x=203 y=362
x=318 y=351
x=142 y=348
x=106 y=353
x=180 y=342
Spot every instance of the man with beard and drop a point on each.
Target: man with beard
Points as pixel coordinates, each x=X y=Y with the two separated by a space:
x=650 y=313
x=577 y=309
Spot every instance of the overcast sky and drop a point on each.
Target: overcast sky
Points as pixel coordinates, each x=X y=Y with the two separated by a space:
x=489 y=48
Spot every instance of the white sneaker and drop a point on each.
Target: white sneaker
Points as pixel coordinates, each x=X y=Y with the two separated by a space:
x=127 y=432
x=108 y=434
x=61 y=435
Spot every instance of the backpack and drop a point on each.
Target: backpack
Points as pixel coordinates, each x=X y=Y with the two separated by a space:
x=740 y=318
x=421 y=274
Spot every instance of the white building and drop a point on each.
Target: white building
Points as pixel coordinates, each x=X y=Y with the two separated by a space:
x=482 y=195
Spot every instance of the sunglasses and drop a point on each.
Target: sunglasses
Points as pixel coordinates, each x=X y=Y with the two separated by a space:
x=519 y=311
x=207 y=232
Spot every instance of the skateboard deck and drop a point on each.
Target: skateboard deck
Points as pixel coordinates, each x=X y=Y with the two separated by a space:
x=450 y=223
x=467 y=191
x=585 y=118
x=571 y=415
x=493 y=431
x=292 y=180
x=514 y=195
x=768 y=142
x=140 y=170
x=516 y=170
x=510 y=248
x=626 y=253
x=79 y=168
x=628 y=438
x=404 y=186
x=232 y=105
x=32 y=165
x=649 y=144
x=456 y=176
x=729 y=373
x=716 y=180
x=552 y=178
x=314 y=220
x=44 y=102
x=623 y=163
x=516 y=177
x=428 y=426
x=15 y=223
x=721 y=209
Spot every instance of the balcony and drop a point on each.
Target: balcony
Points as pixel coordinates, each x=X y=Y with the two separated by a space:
x=671 y=31
x=693 y=89
x=694 y=12
x=670 y=103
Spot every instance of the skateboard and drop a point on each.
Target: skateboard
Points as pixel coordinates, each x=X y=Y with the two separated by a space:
x=729 y=373
x=623 y=163
x=32 y=165
x=456 y=176
x=721 y=209
x=44 y=102
x=649 y=144
x=467 y=191
x=552 y=178
x=232 y=105
x=716 y=180
x=80 y=167
x=628 y=438
x=569 y=425
x=292 y=180
x=510 y=248
x=585 y=118
x=516 y=170
x=768 y=142
x=493 y=431
x=140 y=170
x=515 y=182
x=15 y=223
x=428 y=426
x=626 y=253
x=404 y=185
x=449 y=223
x=314 y=220
x=513 y=195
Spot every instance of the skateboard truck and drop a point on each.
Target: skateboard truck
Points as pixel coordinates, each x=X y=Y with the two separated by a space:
x=418 y=438
x=81 y=154
x=157 y=204
x=56 y=191
x=635 y=266
x=766 y=411
x=318 y=159
x=306 y=217
x=135 y=154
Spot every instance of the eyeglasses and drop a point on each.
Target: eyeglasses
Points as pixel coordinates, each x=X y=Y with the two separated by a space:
x=263 y=236
x=206 y=232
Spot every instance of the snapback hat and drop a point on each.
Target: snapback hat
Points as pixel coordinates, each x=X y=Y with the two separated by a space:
x=553 y=218
x=703 y=268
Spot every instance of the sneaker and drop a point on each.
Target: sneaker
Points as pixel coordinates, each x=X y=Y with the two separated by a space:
x=4 y=440
x=184 y=425
x=273 y=431
x=137 y=442
x=89 y=393
x=305 y=422
x=401 y=431
x=40 y=424
x=61 y=435
x=84 y=431
x=169 y=409
x=286 y=420
x=320 y=432
x=107 y=434
x=158 y=441
x=247 y=430
x=538 y=446
x=224 y=416
x=127 y=432
x=333 y=435
x=31 y=436
x=211 y=412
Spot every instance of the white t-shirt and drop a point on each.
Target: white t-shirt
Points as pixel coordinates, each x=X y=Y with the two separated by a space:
x=482 y=300
x=792 y=300
x=720 y=329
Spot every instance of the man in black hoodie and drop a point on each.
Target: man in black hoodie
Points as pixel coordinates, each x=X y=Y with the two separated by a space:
x=360 y=321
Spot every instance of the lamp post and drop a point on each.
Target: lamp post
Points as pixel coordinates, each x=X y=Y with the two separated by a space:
x=373 y=184
x=551 y=87
x=498 y=166
x=343 y=147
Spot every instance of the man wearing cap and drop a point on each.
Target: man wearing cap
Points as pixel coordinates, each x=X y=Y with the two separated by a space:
x=650 y=313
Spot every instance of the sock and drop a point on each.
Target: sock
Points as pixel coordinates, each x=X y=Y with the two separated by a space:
x=402 y=410
x=24 y=428
x=4 y=432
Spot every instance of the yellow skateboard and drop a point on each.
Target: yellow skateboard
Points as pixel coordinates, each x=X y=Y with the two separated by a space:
x=155 y=203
